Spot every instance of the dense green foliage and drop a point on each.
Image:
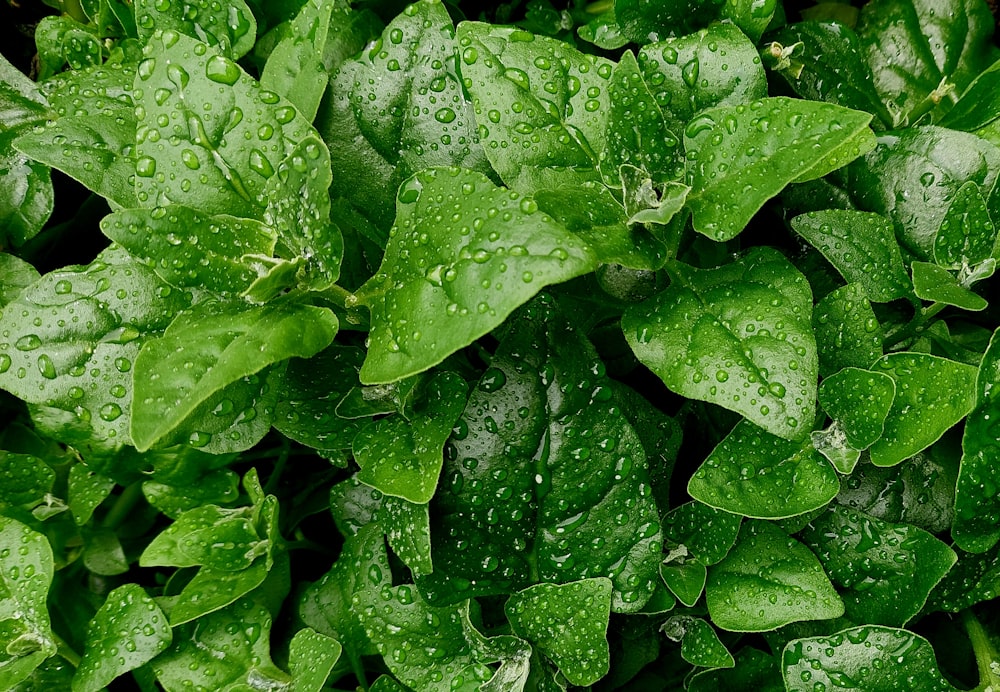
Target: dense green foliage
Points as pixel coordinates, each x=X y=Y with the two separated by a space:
x=626 y=345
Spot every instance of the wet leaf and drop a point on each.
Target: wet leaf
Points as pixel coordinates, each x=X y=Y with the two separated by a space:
x=311 y=658
x=295 y=68
x=741 y=156
x=458 y=280
x=229 y=27
x=86 y=490
x=215 y=487
x=224 y=539
x=128 y=631
x=706 y=533
x=686 y=581
x=967 y=235
x=644 y=20
x=871 y=657
x=977 y=106
x=768 y=580
x=568 y=623
x=884 y=571
x=737 y=336
x=213 y=346
x=859 y=401
x=403 y=457
x=24 y=480
x=935 y=283
x=756 y=474
x=754 y=670
x=16 y=276
x=974 y=579
x=861 y=246
x=848 y=334
x=700 y=645
x=943 y=390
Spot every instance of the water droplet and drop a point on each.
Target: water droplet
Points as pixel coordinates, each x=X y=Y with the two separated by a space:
x=445 y=115
x=46 y=367
x=110 y=412
x=28 y=342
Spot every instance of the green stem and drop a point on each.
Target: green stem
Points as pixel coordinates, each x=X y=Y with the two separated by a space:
x=66 y=651
x=915 y=326
x=123 y=505
x=986 y=656
x=279 y=467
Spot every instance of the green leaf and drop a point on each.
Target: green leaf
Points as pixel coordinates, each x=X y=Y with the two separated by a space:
x=189 y=249
x=879 y=659
x=568 y=623
x=754 y=670
x=311 y=658
x=26 y=196
x=974 y=579
x=216 y=160
x=967 y=235
x=427 y=648
x=397 y=108
x=979 y=104
x=543 y=435
x=130 y=623
x=700 y=645
x=913 y=46
x=298 y=207
x=742 y=156
x=757 y=474
x=830 y=64
x=861 y=246
x=644 y=20
x=637 y=131
x=859 y=401
x=591 y=212
x=212 y=346
x=737 y=336
x=225 y=650
x=16 y=275
x=441 y=286
x=717 y=66
x=407 y=527
x=977 y=496
x=86 y=490
x=932 y=282
x=223 y=539
x=215 y=487
x=311 y=390
x=913 y=175
x=71 y=338
x=686 y=581
x=24 y=480
x=848 y=334
x=230 y=27
x=26 y=637
x=603 y=31
x=403 y=457
x=943 y=390
x=706 y=533
x=295 y=68
x=61 y=40
x=542 y=107
x=884 y=571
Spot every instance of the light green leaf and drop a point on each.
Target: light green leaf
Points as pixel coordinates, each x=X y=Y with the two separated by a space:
x=700 y=645
x=311 y=658
x=229 y=27
x=932 y=282
x=86 y=491
x=768 y=580
x=403 y=457
x=967 y=235
x=848 y=335
x=212 y=346
x=223 y=539
x=215 y=487
x=874 y=658
x=225 y=650
x=295 y=68
x=941 y=389
x=61 y=40
x=543 y=434
x=717 y=66
x=752 y=16
x=859 y=401
x=686 y=581
x=189 y=249
x=977 y=495
x=459 y=278
x=757 y=474
x=542 y=106
x=737 y=336
x=861 y=246
x=26 y=637
x=216 y=160
x=15 y=276
x=884 y=571
x=568 y=623
x=128 y=622
x=742 y=156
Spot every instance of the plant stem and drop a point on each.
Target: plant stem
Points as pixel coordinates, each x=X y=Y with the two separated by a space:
x=66 y=651
x=915 y=326
x=279 y=466
x=122 y=506
x=986 y=656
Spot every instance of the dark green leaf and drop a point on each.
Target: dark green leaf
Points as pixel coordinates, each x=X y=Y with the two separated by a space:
x=542 y=106
x=979 y=105
x=700 y=645
x=742 y=156
x=706 y=533
x=128 y=631
x=213 y=346
x=737 y=336
x=848 y=334
x=215 y=487
x=403 y=457
x=974 y=579
x=407 y=527
x=24 y=480
x=859 y=401
x=943 y=390
x=717 y=66
x=15 y=276
x=443 y=285
x=768 y=580
x=568 y=623
x=646 y=20
x=861 y=246
x=757 y=474
x=230 y=27
x=542 y=434
x=932 y=282
x=754 y=671
x=884 y=571
x=871 y=658
x=86 y=490
x=686 y=581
